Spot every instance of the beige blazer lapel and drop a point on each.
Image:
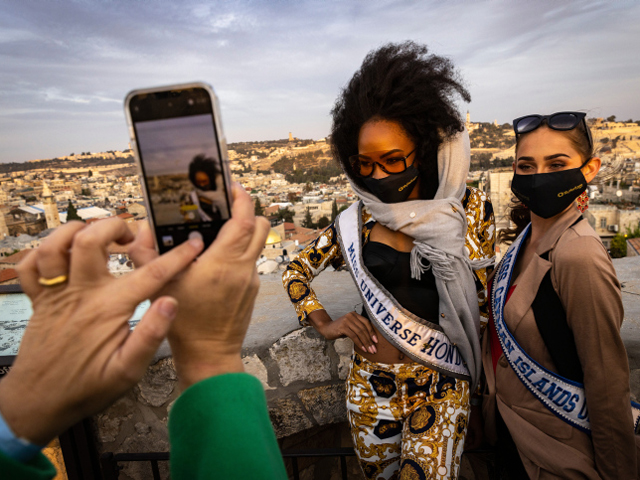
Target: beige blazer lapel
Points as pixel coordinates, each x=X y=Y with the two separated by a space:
x=529 y=280
x=527 y=285
x=548 y=242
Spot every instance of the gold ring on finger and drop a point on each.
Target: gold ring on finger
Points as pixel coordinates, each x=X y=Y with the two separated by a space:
x=52 y=282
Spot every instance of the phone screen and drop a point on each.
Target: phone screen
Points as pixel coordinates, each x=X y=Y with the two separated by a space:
x=182 y=164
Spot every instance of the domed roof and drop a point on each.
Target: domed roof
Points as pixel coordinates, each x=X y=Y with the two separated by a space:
x=273 y=237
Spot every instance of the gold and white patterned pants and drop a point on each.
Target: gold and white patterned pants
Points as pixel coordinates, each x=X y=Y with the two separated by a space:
x=407 y=420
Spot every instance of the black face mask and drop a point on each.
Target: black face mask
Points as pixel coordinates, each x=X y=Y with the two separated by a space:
x=548 y=194
x=395 y=188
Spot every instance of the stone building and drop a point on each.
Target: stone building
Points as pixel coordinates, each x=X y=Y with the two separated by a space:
x=89 y=213
x=26 y=219
x=4 y=230
x=276 y=246
x=316 y=209
x=137 y=209
x=9 y=245
x=499 y=190
x=51 y=214
x=609 y=220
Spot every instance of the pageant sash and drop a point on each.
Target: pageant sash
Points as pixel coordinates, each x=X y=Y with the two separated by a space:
x=420 y=340
x=563 y=397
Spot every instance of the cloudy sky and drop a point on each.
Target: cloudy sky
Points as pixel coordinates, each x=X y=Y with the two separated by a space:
x=277 y=65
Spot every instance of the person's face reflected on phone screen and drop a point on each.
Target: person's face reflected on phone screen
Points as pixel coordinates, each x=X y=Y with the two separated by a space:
x=202 y=180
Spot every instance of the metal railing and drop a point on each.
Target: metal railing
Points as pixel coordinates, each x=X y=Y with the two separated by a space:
x=110 y=462
x=341 y=453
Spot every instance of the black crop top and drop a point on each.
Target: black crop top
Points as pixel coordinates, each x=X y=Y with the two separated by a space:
x=393 y=270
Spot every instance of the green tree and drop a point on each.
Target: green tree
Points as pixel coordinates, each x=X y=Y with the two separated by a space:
x=308 y=221
x=618 y=246
x=72 y=213
x=612 y=118
x=635 y=233
x=285 y=215
x=258 y=208
x=334 y=210
x=90 y=173
x=482 y=160
x=323 y=222
x=307 y=187
x=86 y=192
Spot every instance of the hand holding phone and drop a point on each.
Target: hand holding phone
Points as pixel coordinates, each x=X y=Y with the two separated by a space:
x=177 y=138
x=207 y=336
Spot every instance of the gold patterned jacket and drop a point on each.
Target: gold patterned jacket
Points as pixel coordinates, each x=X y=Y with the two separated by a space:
x=325 y=251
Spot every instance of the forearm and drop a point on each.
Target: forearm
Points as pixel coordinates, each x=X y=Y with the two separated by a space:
x=320 y=320
x=310 y=262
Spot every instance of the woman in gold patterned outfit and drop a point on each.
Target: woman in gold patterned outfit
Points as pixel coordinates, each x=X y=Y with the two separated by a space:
x=402 y=144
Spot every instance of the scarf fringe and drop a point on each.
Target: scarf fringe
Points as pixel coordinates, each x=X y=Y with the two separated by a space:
x=424 y=257
x=441 y=262
x=480 y=264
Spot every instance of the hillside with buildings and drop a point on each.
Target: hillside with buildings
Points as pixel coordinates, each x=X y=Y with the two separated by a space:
x=295 y=183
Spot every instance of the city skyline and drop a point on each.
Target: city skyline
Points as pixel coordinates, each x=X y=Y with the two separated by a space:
x=278 y=66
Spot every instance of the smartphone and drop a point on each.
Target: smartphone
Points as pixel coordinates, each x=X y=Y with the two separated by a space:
x=181 y=152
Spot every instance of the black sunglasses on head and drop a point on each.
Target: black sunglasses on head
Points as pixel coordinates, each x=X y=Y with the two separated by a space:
x=561 y=121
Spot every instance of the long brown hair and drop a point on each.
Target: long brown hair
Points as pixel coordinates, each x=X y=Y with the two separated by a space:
x=518 y=213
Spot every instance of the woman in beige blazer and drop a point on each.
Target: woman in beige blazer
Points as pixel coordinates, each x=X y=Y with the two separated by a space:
x=554 y=162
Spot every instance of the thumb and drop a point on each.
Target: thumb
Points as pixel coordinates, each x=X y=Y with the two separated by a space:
x=143 y=342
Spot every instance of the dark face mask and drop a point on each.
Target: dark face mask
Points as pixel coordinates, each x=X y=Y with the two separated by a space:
x=548 y=194
x=395 y=188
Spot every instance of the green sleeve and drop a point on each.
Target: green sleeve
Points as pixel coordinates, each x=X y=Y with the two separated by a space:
x=38 y=468
x=220 y=428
